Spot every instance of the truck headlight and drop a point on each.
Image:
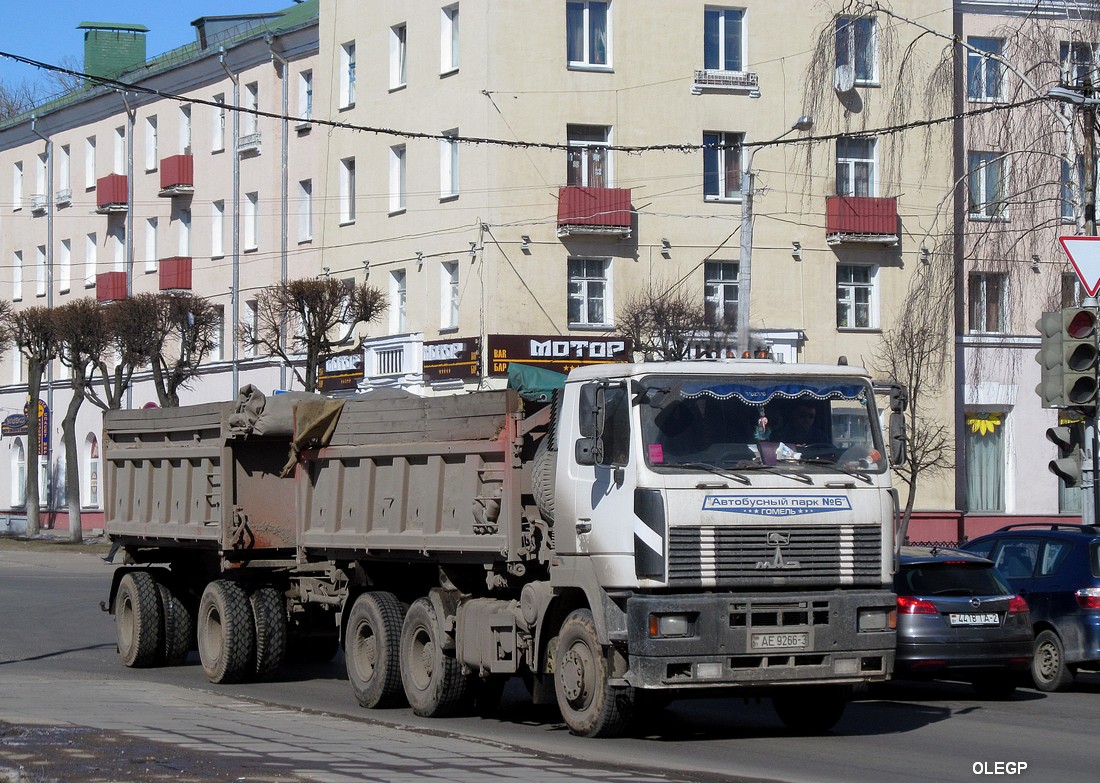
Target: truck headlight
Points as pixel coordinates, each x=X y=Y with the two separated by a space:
x=671 y=625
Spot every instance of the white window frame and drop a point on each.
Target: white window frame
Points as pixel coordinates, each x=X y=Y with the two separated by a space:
x=117 y=238
x=347 y=191
x=89 y=163
x=151 y=245
x=185 y=130
x=398 y=178
x=399 y=56
x=859 y=168
x=305 y=211
x=65 y=266
x=448 y=164
x=979 y=295
x=399 y=301
x=588 y=159
x=980 y=70
x=250 y=318
x=305 y=95
x=1074 y=66
x=585 y=277
x=448 y=39
x=249 y=119
x=93 y=476
x=184 y=238
x=579 y=52
x=217 y=126
x=91 y=259
x=986 y=172
x=119 y=138
x=251 y=220
x=17 y=186
x=719 y=148
x=720 y=278
x=217 y=229
x=151 y=143
x=217 y=346
x=18 y=473
x=40 y=270
x=64 y=170
x=449 y=294
x=347 y=75
x=723 y=18
x=17 y=275
x=848 y=288
x=849 y=32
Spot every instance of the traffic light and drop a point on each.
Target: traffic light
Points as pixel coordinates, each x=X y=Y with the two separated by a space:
x=1080 y=351
x=1050 y=358
x=1068 y=438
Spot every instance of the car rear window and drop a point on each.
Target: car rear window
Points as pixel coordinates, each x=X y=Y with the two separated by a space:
x=949 y=579
x=1094 y=558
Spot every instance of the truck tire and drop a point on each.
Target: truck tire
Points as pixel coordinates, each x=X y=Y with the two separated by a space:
x=1049 y=669
x=433 y=679
x=588 y=703
x=269 y=618
x=139 y=620
x=543 y=466
x=225 y=632
x=811 y=709
x=372 y=650
x=179 y=626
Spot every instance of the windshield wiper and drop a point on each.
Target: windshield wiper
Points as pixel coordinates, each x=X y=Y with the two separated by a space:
x=715 y=469
x=859 y=474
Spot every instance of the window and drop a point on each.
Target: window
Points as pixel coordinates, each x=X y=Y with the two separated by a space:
x=983 y=74
x=398 y=54
x=448 y=295
x=184 y=218
x=18 y=474
x=151 y=143
x=1072 y=291
x=217 y=340
x=185 y=130
x=151 y=245
x=589 y=294
x=40 y=270
x=589 y=160
x=120 y=151
x=722 y=166
x=588 y=34
x=251 y=219
x=856 y=47
x=448 y=164
x=855 y=167
x=448 y=39
x=987 y=294
x=91 y=471
x=217 y=143
x=986 y=198
x=855 y=296
x=399 y=298
x=1079 y=63
x=217 y=229
x=723 y=43
x=347 y=191
x=985 y=461
x=17 y=185
x=1073 y=191
x=16 y=366
x=397 y=179
x=90 y=260
x=305 y=95
x=117 y=239
x=41 y=173
x=249 y=120
x=305 y=210
x=17 y=275
x=347 y=75
x=720 y=292
x=89 y=162
x=65 y=266
x=249 y=316
x=64 y=174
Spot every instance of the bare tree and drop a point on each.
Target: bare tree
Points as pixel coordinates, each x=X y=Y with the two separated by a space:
x=133 y=343
x=309 y=318
x=33 y=333
x=666 y=322
x=186 y=330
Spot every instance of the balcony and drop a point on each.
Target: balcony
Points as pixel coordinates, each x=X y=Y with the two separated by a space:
x=112 y=194
x=110 y=286
x=39 y=202
x=250 y=144
x=175 y=273
x=177 y=176
x=725 y=81
x=594 y=212
x=64 y=197
x=394 y=361
x=861 y=220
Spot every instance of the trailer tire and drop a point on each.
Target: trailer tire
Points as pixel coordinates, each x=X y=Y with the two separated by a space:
x=139 y=620
x=811 y=709
x=590 y=706
x=179 y=626
x=269 y=617
x=225 y=632
x=372 y=650
x=433 y=679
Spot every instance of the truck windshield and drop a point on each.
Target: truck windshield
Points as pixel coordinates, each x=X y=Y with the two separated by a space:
x=742 y=423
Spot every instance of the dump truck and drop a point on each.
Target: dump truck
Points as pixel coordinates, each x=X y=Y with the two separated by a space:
x=643 y=533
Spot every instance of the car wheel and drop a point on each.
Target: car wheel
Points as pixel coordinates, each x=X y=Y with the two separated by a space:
x=1049 y=669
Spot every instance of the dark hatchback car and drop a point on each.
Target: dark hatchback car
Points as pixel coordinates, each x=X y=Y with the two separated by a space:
x=958 y=619
x=1056 y=567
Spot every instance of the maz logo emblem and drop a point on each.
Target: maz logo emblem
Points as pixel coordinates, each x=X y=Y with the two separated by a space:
x=778 y=539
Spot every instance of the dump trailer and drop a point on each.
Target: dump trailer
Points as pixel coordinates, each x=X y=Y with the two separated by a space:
x=643 y=533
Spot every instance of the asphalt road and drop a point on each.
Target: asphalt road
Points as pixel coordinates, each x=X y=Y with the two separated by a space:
x=69 y=710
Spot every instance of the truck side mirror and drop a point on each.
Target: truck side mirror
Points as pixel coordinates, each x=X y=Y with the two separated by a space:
x=897 y=438
x=586 y=451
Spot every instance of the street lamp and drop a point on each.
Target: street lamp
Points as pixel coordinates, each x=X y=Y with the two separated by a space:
x=744 y=270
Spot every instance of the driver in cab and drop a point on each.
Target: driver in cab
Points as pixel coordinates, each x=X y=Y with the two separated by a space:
x=800 y=428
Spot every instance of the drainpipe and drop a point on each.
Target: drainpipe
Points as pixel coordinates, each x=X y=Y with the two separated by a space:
x=283 y=184
x=128 y=246
x=49 y=293
x=235 y=286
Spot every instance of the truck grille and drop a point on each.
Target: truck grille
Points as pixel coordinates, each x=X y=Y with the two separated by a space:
x=742 y=556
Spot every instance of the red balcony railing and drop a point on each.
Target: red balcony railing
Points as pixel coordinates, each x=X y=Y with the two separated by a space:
x=594 y=211
x=861 y=219
x=110 y=286
x=175 y=273
x=177 y=175
x=112 y=193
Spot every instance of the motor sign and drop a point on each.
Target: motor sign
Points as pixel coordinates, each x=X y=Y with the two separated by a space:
x=1084 y=255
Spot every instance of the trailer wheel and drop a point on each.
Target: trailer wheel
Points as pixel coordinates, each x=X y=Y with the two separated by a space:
x=179 y=626
x=588 y=703
x=372 y=650
x=225 y=632
x=139 y=620
x=811 y=709
x=433 y=680
x=269 y=617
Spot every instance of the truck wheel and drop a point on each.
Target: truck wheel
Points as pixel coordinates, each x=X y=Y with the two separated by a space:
x=139 y=620
x=433 y=680
x=588 y=703
x=179 y=626
x=543 y=466
x=811 y=709
x=372 y=650
x=269 y=617
x=225 y=630
x=1048 y=666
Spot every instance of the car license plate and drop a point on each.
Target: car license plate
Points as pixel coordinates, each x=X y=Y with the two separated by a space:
x=779 y=641
x=974 y=619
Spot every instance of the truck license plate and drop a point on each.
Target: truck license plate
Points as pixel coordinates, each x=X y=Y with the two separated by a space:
x=778 y=641
x=974 y=619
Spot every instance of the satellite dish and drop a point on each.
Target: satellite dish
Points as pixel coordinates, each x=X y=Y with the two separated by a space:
x=845 y=78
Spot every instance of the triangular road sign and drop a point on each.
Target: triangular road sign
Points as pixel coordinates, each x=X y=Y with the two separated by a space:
x=1084 y=254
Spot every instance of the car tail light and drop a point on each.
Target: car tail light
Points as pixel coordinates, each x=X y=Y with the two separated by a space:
x=907 y=604
x=1088 y=597
x=1018 y=604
